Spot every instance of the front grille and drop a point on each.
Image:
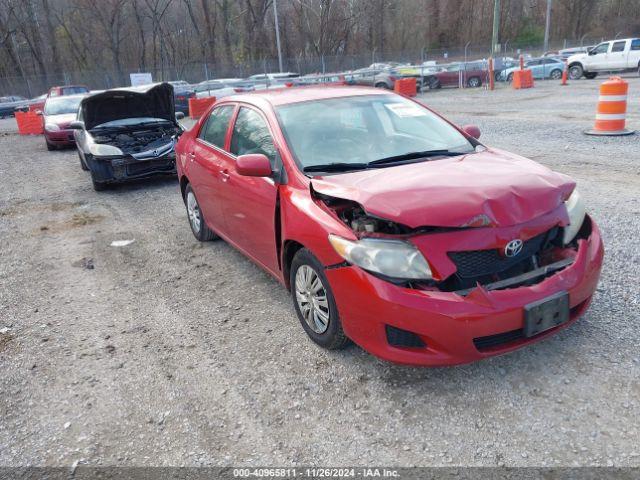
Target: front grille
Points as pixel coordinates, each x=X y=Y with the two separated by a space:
x=142 y=167
x=479 y=263
x=498 y=340
x=398 y=337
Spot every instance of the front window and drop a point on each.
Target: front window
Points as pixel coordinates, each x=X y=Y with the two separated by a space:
x=74 y=90
x=361 y=129
x=251 y=135
x=62 y=105
x=602 y=48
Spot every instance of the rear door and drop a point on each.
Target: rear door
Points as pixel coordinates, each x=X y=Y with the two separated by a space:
x=250 y=210
x=207 y=164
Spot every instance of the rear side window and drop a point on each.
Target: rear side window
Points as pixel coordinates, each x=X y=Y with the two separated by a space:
x=251 y=135
x=618 y=46
x=215 y=130
x=635 y=44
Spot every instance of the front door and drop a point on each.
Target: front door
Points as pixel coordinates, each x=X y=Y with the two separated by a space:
x=250 y=211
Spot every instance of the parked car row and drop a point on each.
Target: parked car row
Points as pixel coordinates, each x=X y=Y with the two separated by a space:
x=325 y=188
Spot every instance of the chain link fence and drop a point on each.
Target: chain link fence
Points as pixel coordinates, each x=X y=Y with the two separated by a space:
x=193 y=72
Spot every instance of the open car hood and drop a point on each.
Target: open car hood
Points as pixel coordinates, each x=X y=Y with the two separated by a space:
x=490 y=188
x=154 y=101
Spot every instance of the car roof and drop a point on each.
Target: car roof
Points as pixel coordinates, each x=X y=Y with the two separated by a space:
x=289 y=95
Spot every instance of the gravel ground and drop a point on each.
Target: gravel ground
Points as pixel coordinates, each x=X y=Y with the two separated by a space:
x=171 y=352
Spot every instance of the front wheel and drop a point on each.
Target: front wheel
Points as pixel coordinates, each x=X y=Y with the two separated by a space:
x=556 y=74
x=196 y=220
x=314 y=302
x=575 y=72
x=510 y=78
x=51 y=147
x=381 y=85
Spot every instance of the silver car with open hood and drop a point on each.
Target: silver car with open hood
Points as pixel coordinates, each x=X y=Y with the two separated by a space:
x=127 y=133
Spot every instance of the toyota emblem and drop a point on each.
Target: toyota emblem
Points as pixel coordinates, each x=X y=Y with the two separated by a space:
x=513 y=248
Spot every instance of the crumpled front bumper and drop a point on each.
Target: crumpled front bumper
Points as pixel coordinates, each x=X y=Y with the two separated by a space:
x=449 y=323
x=126 y=167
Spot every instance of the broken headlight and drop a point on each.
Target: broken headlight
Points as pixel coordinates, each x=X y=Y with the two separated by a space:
x=102 y=150
x=576 y=210
x=390 y=258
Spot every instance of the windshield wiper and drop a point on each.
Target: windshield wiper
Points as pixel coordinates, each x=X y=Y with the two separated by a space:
x=335 y=167
x=415 y=156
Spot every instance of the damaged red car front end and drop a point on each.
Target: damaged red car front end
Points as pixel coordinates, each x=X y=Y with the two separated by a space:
x=442 y=252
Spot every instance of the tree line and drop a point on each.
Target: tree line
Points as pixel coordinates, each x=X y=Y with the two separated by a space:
x=48 y=37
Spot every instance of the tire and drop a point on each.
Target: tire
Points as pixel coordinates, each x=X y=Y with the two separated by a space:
x=50 y=147
x=98 y=186
x=381 y=85
x=555 y=74
x=590 y=75
x=197 y=223
x=434 y=83
x=474 y=82
x=510 y=77
x=575 y=71
x=82 y=164
x=326 y=333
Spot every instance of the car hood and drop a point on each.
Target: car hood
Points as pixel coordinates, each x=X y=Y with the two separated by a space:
x=154 y=101
x=62 y=119
x=489 y=188
x=577 y=57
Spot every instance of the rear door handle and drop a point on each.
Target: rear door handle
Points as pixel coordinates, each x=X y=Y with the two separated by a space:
x=224 y=173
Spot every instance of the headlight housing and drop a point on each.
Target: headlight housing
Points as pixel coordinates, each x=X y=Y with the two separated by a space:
x=576 y=210
x=103 y=150
x=51 y=127
x=390 y=258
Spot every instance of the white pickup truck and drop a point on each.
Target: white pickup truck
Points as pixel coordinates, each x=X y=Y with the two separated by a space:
x=611 y=56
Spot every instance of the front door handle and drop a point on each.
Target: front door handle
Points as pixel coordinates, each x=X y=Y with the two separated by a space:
x=192 y=156
x=224 y=173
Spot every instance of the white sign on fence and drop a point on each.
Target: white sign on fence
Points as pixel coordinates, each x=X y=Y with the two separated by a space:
x=138 y=79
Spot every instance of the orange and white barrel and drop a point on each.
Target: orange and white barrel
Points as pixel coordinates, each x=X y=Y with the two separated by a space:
x=612 y=108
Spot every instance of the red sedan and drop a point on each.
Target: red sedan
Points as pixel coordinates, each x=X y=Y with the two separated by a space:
x=58 y=113
x=392 y=227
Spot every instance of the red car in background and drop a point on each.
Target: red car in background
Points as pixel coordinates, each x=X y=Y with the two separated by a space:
x=391 y=227
x=68 y=90
x=58 y=113
x=471 y=75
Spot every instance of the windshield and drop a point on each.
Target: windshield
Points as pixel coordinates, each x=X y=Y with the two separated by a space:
x=362 y=129
x=62 y=105
x=124 y=122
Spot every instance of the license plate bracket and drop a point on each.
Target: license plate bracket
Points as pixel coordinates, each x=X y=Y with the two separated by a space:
x=547 y=313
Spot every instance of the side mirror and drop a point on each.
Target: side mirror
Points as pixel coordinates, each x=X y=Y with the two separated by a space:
x=76 y=125
x=253 y=165
x=472 y=131
x=179 y=115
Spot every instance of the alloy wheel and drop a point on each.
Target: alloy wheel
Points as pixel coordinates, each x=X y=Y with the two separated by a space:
x=194 y=212
x=311 y=297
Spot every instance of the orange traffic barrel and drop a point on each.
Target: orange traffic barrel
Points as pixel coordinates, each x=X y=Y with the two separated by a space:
x=612 y=109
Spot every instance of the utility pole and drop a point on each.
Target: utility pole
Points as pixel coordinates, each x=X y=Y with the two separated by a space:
x=496 y=26
x=275 y=18
x=546 y=27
